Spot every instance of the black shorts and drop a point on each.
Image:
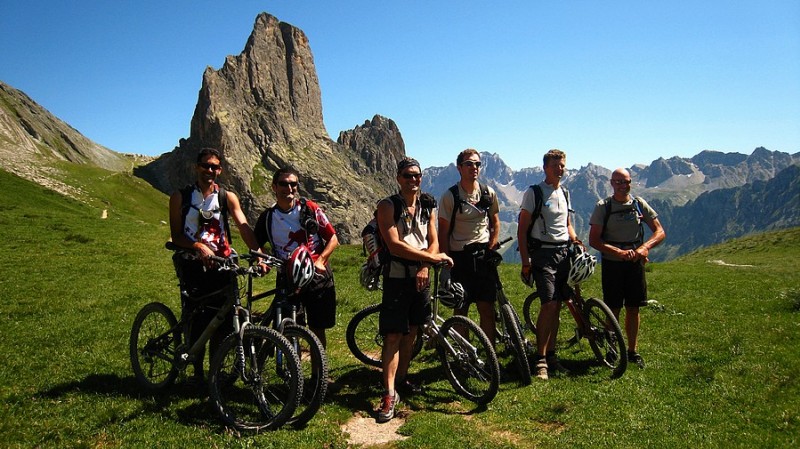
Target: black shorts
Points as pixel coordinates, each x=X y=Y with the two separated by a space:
x=477 y=277
x=550 y=268
x=623 y=284
x=197 y=282
x=402 y=306
x=319 y=301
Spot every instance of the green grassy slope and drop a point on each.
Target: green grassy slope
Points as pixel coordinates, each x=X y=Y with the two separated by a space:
x=721 y=345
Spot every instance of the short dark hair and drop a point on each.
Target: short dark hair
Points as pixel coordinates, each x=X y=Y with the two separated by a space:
x=289 y=170
x=553 y=154
x=406 y=162
x=208 y=151
x=465 y=154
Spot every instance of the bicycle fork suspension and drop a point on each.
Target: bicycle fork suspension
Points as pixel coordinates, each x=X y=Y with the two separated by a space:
x=239 y=326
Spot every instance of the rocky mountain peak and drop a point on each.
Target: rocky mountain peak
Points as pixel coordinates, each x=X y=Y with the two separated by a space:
x=375 y=147
x=263 y=110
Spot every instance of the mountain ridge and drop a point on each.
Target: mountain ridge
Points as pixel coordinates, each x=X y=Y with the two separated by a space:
x=263 y=109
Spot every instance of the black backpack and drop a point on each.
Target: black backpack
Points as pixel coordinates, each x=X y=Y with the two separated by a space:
x=636 y=206
x=458 y=203
x=374 y=248
x=538 y=202
x=186 y=204
x=308 y=221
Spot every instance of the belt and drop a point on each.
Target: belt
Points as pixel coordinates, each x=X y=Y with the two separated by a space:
x=555 y=245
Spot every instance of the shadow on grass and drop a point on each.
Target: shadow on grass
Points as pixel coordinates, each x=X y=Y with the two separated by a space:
x=358 y=388
x=197 y=412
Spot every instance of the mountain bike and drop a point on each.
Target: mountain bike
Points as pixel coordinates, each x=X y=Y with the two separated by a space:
x=594 y=322
x=510 y=332
x=463 y=348
x=282 y=315
x=250 y=388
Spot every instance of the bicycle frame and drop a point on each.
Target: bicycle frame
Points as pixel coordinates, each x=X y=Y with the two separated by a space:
x=240 y=315
x=576 y=306
x=431 y=329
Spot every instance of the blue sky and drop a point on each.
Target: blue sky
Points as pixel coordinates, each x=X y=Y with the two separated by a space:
x=612 y=83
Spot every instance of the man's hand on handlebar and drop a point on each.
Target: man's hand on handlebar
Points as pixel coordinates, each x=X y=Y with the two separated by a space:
x=442 y=260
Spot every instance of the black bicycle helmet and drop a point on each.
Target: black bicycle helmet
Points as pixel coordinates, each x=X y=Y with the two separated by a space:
x=370 y=277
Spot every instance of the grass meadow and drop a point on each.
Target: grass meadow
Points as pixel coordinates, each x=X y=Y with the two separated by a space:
x=721 y=345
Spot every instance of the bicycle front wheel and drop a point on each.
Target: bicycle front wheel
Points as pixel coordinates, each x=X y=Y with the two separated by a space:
x=153 y=346
x=517 y=342
x=314 y=366
x=469 y=360
x=365 y=341
x=605 y=337
x=255 y=386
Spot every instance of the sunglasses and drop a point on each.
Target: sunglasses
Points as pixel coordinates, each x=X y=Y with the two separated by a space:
x=412 y=175
x=288 y=184
x=620 y=182
x=206 y=166
x=471 y=164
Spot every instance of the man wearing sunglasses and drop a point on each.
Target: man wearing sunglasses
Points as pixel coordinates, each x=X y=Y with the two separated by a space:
x=407 y=222
x=198 y=220
x=618 y=233
x=293 y=221
x=469 y=221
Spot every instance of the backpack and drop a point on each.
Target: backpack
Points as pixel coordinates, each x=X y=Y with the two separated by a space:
x=373 y=246
x=458 y=203
x=538 y=202
x=308 y=220
x=186 y=204
x=639 y=216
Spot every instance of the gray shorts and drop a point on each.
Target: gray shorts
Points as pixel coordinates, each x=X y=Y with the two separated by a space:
x=550 y=268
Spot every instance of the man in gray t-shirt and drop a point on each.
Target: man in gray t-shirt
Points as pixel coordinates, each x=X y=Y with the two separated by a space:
x=617 y=231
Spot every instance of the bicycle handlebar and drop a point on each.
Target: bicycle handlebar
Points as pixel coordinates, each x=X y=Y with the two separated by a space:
x=229 y=263
x=503 y=242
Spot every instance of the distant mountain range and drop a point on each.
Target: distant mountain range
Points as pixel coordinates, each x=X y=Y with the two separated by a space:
x=263 y=110
x=702 y=200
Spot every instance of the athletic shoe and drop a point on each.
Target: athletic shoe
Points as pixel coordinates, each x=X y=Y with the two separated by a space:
x=541 y=369
x=634 y=357
x=387 y=410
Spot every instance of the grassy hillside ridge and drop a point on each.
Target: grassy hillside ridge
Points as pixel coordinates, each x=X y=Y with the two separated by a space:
x=721 y=346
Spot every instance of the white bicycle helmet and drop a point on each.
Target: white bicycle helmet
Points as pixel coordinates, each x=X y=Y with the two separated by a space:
x=300 y=268
x=370 y=277
x=581 y=266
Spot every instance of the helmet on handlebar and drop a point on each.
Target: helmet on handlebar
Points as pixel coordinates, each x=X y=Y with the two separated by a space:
x=451 y=294
x=299 y=268
x=370 y=277
x=581 y=265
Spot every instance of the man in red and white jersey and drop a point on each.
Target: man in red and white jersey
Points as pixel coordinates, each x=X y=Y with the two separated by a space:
x=293 y=221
